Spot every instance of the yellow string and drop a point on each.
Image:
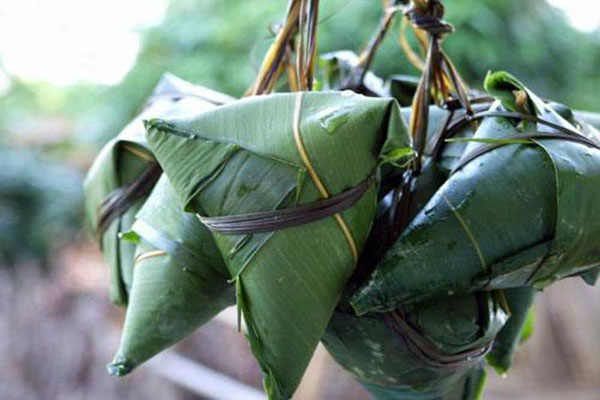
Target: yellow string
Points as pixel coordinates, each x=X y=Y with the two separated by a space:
x=274 y=51
x=150 y=254
x=140 y=153
x=315 y=177
x=293 y=78
x=412 y=57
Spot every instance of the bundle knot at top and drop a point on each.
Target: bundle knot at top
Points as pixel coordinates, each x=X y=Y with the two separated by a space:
x=429 y=18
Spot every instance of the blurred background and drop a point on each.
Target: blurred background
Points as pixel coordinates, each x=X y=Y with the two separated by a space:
x=72 y=73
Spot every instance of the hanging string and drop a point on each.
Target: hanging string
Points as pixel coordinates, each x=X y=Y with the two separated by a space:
x=302 y=20
x=440 y=81
x=411 y=55
x=366 y=57
x=313 y=19
x=307 y=43
x=272 y=62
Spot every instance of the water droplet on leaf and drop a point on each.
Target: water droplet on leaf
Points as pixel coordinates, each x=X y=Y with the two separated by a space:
x=332 y=118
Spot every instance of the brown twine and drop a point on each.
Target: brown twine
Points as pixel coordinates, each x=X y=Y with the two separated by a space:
x=302 y=20
x=440 y=80
x=425 y=352
x=271 y=64
x=478 y=104
x=307 y=43
x=269 y=221
x=577 y=138
x=357 y=75
x=119 y=201
x=457 y=124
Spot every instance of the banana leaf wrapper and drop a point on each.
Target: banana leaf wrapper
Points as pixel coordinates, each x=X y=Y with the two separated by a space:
x=522 y=214
x=589 y=124
x=392 y=364
x=369 y=348
x=469 y=387
x=517 y=329
x=336 y=68
x=125 y=171
x=251 y=157
x=437 y=165
x=116 y=168
x=179 y=280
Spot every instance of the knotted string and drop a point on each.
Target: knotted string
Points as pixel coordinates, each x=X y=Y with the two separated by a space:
x=440 y=80
x=439 y=83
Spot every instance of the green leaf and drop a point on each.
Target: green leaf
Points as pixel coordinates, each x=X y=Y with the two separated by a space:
x=509 y=90
x=377 y=356
x=590 y=118
x=517 y=215
x=180 y=288
x=243 y=158
x=529 y=325
x=114 y=168
x=121 y=162
x=517 y=329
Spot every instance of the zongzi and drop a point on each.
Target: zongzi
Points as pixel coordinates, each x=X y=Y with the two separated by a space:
x=519 y=209
x=288 y=184
x=179 y=279
x=125 y=171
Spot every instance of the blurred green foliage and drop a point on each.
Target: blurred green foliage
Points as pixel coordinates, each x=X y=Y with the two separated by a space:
x=220 y=43
x=39 y=204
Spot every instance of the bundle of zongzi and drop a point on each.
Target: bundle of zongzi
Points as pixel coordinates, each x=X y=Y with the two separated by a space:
x=288 y=185
x=519 y=209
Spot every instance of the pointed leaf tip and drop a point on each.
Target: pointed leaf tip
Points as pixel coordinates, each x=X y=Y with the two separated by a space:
x=119 y=367
x=495 y=80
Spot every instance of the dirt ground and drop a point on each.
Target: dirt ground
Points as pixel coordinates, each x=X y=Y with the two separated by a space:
x=58 y=330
